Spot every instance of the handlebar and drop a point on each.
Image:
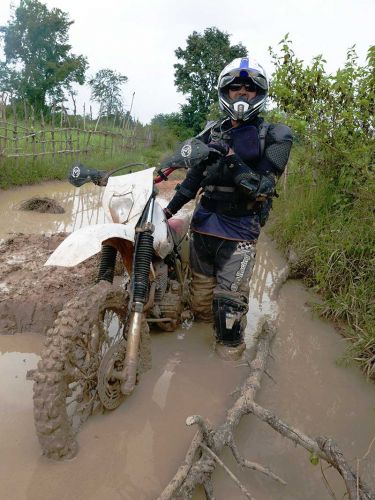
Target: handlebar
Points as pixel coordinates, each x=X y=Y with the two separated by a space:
x=79 y=174
x=190 y=153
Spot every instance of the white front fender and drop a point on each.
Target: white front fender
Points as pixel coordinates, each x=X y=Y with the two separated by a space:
x=86 y=242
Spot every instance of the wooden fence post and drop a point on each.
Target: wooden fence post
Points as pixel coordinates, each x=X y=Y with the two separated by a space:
x=42 y=132
x=53 y=130
x=33 y=138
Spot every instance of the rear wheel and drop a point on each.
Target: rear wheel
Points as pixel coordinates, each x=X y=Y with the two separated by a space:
x=66 y=381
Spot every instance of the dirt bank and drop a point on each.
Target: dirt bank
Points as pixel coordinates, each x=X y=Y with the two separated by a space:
x=31 y=293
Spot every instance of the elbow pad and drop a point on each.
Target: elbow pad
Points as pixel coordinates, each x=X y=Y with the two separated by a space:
x=243 y=176
x=278 y=145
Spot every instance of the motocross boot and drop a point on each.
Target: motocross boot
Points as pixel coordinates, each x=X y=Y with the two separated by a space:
x=201 y=296
x=229 y=325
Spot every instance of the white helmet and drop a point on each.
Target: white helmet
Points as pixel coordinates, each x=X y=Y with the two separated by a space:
x=243 y=70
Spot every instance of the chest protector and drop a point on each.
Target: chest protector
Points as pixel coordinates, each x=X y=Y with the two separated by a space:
x=245 y=143
x=248 y=143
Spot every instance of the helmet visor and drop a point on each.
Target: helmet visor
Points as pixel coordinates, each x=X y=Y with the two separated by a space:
x=238 y=76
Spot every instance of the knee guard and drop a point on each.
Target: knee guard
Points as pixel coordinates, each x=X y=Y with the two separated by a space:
x=228 y=313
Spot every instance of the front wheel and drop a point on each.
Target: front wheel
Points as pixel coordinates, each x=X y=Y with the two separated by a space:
x=66 y=380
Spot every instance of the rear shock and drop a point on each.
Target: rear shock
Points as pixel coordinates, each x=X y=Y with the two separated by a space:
x=107 y=263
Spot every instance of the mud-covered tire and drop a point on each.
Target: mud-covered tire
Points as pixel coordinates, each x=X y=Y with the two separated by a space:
x=71 y=356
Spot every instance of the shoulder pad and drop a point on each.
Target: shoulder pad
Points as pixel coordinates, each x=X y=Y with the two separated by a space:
x=279 y=132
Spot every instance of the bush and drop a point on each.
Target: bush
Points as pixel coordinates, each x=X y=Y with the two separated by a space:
x=326 y=214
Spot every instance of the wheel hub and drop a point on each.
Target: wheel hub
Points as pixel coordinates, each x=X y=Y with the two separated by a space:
x=109 y=387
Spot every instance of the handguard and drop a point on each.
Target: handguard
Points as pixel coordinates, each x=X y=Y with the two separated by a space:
x=189 y=154
x=79 y=175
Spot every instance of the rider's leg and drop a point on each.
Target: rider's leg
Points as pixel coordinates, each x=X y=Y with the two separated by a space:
x=230 y=297
x=203 y=280
x=202 y=287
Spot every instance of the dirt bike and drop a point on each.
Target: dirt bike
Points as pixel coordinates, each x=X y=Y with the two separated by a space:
x=99 y=344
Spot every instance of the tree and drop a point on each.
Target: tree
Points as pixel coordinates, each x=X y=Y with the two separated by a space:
x=196 y=75
x=38 y=59
x=174 y=123
x=332 y=113
x=106 y=90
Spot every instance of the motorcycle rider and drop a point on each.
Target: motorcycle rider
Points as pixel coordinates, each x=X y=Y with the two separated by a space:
x=238 y=181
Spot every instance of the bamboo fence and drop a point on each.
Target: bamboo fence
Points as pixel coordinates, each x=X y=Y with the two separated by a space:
x=25 y=135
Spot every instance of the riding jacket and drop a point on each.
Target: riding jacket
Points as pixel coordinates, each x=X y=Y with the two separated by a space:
x=224 y=210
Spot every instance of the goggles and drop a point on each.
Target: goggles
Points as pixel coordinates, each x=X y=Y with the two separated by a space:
x=249 y=87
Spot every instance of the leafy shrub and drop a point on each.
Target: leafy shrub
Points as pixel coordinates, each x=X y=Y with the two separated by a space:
x=326 y=213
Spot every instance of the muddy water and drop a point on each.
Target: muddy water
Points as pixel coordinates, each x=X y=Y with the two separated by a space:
x=82 y=207
x=133 y=452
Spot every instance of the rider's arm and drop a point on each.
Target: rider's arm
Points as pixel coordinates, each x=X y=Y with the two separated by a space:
x=187 y=190
x=189 y=187
x=279 y=141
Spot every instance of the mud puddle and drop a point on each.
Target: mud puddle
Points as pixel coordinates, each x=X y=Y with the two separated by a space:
x=82 y=207
x=134 y=451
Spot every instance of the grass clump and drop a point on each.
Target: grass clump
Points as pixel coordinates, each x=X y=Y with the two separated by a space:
x=333 y=235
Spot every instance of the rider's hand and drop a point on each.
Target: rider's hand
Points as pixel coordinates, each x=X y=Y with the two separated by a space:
x=266 y=187
x=218 y=148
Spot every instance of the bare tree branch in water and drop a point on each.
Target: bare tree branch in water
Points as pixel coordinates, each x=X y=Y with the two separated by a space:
x=199 y=464
x=207 y=444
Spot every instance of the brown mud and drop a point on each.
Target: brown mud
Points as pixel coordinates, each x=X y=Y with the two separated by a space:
x=133 y=452
x=43 y=205
x=31 y=294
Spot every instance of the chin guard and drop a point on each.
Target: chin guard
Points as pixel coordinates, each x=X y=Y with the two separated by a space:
x=240 y=107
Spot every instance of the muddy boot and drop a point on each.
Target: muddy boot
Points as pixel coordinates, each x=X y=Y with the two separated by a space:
x=201 y=296
x=230 y=353
x=229 y=314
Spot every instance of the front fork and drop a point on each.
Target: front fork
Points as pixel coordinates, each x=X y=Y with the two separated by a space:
x=143 y=253
x=128 y=375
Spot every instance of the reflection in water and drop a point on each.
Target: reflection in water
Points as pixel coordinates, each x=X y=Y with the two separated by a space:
x=265 y=275
x=15 y=395
x=160 y=393
x=82 y=207
x=17 y=355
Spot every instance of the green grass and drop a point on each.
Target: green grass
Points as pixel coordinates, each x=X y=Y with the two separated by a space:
x=33 y=169
x=334 y=238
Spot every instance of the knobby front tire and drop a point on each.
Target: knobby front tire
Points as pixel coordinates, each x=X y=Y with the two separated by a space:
x=65 y=382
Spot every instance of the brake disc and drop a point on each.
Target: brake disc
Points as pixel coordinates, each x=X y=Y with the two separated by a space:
x=109 y=388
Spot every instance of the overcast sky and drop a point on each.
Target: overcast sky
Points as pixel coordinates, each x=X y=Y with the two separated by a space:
x=138 y=37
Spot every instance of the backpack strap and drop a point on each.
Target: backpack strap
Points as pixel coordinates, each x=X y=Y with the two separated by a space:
x=209 y=126
x=262 y=137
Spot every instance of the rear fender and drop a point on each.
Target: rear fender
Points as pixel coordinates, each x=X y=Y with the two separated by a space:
x=86 y=242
